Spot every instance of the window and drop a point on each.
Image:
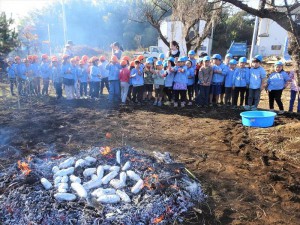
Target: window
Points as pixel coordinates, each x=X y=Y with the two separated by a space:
x=203 y=48
x=276 y=47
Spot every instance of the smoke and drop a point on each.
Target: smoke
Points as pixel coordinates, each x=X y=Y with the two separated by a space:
x=4 y=136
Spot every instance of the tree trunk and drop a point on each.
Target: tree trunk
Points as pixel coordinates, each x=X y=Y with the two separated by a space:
x=294 y=51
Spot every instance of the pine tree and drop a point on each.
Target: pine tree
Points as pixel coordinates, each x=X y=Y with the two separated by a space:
x=8 y=35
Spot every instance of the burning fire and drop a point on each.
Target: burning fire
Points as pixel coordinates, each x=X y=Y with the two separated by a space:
x=24 y=167
x=158 y=219
x=106 y=150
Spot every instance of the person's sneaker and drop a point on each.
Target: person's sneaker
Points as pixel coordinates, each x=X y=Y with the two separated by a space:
x=210 y=105
x=159 y=103
x=246 y=107
x=221 y=103
x=190 y=103
x=182 y=104
x=155 y=103
x=253 y=108
x=234 y=107
x=281 y=112
x=175 y=104
x=271 y=110
x=167 y=103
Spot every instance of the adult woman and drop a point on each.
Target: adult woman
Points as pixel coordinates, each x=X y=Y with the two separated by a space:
x=174 y=49
x=116 y=49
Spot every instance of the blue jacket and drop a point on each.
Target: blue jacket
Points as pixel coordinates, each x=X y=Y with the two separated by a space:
x=11 y=71
x=82 y=75
x=277 y=81
x=229 y=78
x=56 y=74
x=219 y=78
x=169 y=79
x=181 y=77
x=113 y=71
x=194 y=62
x=158 y=77
x=64 y=70
x=256 y=77
x=35 y=69
x=94 y=74
x=241 y=77
x=45 y=70
x=21 y=71
x=103 y=71
x=138 y=79
x=191 y=72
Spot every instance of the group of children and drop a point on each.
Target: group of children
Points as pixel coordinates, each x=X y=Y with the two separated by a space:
x=178 y=81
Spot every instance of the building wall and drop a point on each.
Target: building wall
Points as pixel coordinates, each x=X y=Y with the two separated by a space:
x=271 y=38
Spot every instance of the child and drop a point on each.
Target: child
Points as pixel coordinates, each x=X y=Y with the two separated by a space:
x=95 y=78
x=56 y=77
x=148 y=79
x=220 y=70
x=277 y=81
x=161 y=57
x=240 y=82
x=295 y=88
x=169 y=79
x=228 y=57
x=21 y=75
x=191 y=79
x=67 y=77
x=137 y=79
x=104 y=74
x=11 y=73
x=205 y=77
x=73 y=76
x=113 y=78
x=36 y=75
x=45 y=73
x=257 y=83
x=180 y=82
x=228 y=81
x=159 y=82
x=83 y=78
x=124 y=79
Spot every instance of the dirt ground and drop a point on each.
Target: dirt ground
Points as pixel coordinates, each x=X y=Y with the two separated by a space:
x=251 y=175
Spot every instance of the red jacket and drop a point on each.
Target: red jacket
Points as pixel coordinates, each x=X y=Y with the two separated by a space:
x=124 y=74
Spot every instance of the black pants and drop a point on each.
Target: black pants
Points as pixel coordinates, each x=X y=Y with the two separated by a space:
x=37 y=85
x=182 y=94
x=228 y=95
x=129 y=94
x=239 y=91
x=13 y=82
x=58 y=89
x=169 y=92
x=94 y=89
x=104 y=83
x=137 y=93
x=275 y=95
x=45 y=86
x=83 y=89
x=190 y=89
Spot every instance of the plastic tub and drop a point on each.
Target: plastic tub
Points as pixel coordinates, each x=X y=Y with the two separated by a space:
x=258 y=118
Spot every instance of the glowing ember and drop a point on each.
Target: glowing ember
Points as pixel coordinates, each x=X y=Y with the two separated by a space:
x=158 y=219
x=106 y=150
x=24 y=167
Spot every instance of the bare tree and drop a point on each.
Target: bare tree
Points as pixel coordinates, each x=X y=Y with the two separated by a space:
x=285 y=15
x=189 y=12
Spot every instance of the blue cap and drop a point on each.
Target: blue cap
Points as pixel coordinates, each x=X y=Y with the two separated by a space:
x=149 y=60
x=243 y=60
x=186 y=58
x=158 y=63
x=181 y=59
x=217 y=56
x=161 y=56
x=258 y=57
x=206 y=58
x=191 y=52
x=171 y=59
x=233 y=61
x=228 y=55
x=278 y=63
x=165 y=64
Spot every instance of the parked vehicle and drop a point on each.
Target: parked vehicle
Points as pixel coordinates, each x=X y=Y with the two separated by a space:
x=238 y=49
x=153 y=51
